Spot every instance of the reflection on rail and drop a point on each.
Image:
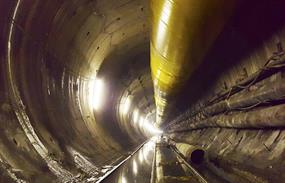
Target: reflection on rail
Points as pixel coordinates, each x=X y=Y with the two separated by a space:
x=158 y=160
x=135 y=168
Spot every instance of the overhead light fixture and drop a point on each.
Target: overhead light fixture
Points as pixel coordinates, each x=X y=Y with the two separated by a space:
x=96 y=93
x=135 y=116
x=126 y=105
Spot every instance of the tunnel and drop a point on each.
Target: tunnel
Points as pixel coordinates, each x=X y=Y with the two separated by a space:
x=117 y=91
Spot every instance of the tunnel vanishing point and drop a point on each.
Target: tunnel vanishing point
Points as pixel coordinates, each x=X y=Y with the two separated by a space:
x=138 y=91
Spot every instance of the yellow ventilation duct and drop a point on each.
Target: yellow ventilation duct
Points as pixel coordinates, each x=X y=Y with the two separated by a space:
x=182 y=32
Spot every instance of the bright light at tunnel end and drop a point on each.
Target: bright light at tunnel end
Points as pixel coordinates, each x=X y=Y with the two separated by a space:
x=149 y=127
x=145 y=125
x=152 y=129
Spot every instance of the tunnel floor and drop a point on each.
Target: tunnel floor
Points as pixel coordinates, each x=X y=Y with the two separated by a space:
x=137 y=169
x=157 y=162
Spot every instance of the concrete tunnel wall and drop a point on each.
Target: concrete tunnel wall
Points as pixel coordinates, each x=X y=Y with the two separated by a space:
x=49 y=131
x=57 y=48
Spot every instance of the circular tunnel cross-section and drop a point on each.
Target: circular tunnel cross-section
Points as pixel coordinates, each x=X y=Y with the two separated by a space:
x=86 y=84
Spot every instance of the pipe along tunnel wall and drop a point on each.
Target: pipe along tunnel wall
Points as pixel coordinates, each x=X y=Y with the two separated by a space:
x=51 y=51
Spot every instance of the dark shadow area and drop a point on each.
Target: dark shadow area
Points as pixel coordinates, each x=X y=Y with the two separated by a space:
x=197 y=156
x=253 y=23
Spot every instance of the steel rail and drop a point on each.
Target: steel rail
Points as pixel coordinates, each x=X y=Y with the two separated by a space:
x=121 y=163
x=153 y=171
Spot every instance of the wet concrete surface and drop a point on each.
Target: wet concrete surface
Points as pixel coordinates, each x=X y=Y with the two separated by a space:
x=170 y=169
x=140 y=168
x=137 y=169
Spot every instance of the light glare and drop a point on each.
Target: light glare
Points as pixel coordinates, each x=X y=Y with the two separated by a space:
x=135 y=167
x=151 y=128
x=141 y=121
x=136 y=116
x=123 y=180
x=126 y=105
x=96 y=91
